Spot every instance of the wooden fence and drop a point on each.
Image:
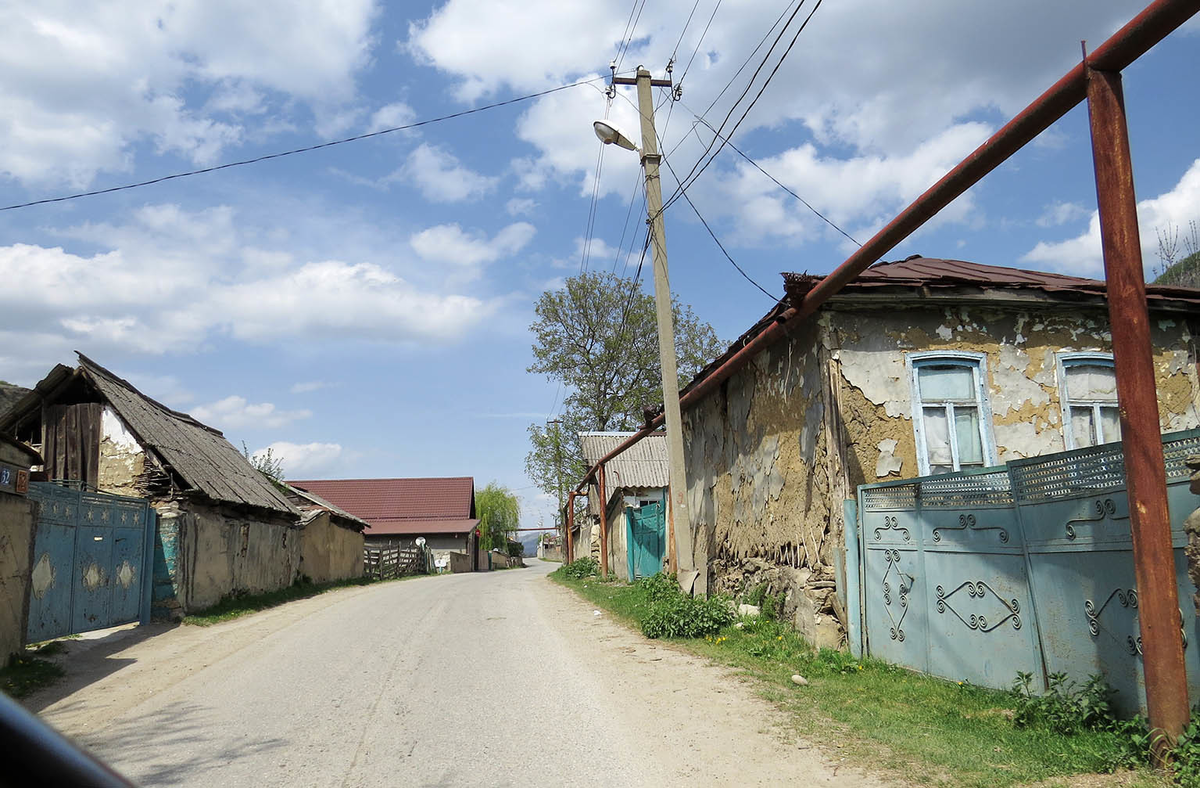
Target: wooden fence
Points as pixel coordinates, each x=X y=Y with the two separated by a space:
x=387 y=561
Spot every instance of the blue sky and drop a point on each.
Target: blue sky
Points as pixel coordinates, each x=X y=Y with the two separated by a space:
x=364 y=308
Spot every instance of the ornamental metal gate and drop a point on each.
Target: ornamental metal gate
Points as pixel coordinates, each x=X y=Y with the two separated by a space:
x=975 y=576
x=91 y=561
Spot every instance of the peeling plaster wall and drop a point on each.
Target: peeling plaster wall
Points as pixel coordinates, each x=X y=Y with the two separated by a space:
x=122 y=459
x=1021 y=347
x=204 y=553
x=758 y=484
x=17 y=518
x=329 y=552
x=774 y=451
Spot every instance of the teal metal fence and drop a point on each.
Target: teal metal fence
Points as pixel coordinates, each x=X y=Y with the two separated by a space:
x=1027 y=567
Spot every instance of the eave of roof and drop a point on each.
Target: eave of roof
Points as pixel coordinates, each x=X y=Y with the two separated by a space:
x=420 y=527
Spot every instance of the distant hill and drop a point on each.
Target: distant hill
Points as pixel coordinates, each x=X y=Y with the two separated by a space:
x=9 y=395
x=1185 y=273
x=530 y=540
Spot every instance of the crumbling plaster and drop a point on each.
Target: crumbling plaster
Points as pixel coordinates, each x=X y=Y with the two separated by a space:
x=122 y=459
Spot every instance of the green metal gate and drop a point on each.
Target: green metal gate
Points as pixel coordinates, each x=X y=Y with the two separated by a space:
x=92 y=561
x=646 y=538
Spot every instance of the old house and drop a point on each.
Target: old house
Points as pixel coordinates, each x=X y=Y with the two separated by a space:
x=222 y=527
x=399 y=511
x=331 y=539
x=917 y=367
x=635 y=503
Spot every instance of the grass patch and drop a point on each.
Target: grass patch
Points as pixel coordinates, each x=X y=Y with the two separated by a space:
x=922 y=729
x=28 y=673
x=238 y=605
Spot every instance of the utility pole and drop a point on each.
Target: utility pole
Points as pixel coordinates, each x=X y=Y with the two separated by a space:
x=690 y=578
x=558 y=466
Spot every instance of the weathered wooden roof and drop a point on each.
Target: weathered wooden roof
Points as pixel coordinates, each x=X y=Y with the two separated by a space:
x=197 y=454
x=311 y=504
x=10 y=395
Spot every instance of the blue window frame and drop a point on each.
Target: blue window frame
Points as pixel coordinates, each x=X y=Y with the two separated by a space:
x=951 y=416
x=1087 y=387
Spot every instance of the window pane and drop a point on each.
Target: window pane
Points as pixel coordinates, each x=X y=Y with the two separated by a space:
x=937 y=440
x=1082 y=428
x=1091 y=382
x=1110 y=424
x=966 y=429
x=939 y=384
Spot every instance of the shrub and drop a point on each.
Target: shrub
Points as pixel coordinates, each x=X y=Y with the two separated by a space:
x=1065 y=708
x=581 y=568
x=674 y=614
x=769 y=605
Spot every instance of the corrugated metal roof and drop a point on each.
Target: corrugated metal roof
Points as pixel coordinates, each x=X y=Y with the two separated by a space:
x=644 y=464
x=420 y=527
x=199 y=455
x=938 y=273
x=380 y=501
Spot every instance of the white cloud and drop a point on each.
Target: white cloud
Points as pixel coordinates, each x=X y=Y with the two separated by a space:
x=857 y=193
x=1059 y=213
x=448 y=243
x=441 y=177
x=236 y=412
x=391 y=116
x=311 y=385
x=520 y=206
x=1083 y=255
x=84 y=83
x=169 y=280
x=303 y=459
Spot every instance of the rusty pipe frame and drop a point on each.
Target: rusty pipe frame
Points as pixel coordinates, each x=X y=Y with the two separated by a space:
x=1138 y=36
x=603 y=523
x=1145 y=470
x=570 y=520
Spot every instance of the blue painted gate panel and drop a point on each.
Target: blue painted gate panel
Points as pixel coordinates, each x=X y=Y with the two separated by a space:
x=645 y=539
x=89 y=569
x=1028 y=567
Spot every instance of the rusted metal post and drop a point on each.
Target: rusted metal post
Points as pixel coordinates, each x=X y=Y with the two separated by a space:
x=603 y=495
x=1145 y=471
x=570 y=556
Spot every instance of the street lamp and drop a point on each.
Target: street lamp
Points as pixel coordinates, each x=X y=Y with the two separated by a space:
x=692 y=579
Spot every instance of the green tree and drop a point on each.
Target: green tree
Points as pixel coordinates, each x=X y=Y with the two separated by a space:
x=499 y=513
x=265 y=463
x=597 y=336
x=1179 y=268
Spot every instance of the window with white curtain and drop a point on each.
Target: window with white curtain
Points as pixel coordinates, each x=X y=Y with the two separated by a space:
x=1087 y=384
x=951 y=417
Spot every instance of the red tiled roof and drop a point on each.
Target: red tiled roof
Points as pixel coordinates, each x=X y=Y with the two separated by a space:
x=418 y=527
x=381 y=501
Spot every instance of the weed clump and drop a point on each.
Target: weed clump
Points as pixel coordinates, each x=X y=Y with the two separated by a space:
x=581 y=568
x=674 y=614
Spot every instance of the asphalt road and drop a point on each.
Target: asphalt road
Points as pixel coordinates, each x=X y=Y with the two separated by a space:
x=485 y=679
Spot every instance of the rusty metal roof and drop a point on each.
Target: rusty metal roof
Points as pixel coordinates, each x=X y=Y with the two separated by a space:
x=644 y=464
x=311 y=504
x=926 y=272
x=387 y=503
x=420 y=527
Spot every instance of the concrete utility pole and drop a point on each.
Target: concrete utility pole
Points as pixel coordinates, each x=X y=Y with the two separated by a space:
x=690 y=578
x=562 y=521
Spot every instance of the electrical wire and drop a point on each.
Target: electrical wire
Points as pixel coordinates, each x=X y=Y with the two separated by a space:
x=699 y=41
x=687 y=22
x=306 y=149
x=631 y=30
x=774 y=71
x=625 y=225
x=758 y=167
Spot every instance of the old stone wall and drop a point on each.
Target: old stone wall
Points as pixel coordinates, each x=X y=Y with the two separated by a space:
x=759 y=486
x=204 y=553
x=17 y=520
x=329 y=552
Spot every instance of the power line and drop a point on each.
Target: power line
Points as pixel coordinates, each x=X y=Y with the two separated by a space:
x=757 y=166
x=754 y=101
x=625 y=225
x=631 y=30
x=699 y=41
x=687 y=22
x=718 y=240
x=306 y=149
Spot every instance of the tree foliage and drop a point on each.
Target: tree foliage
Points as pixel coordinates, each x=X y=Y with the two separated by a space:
x=265 y=462
x=499 y=513
x=597 y=336
x=1179 y=267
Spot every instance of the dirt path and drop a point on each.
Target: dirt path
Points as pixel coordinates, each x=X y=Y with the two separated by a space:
x=488 y=679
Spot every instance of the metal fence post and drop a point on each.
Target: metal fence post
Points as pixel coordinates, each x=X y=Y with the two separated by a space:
x=603 y=495
x=1145 y=471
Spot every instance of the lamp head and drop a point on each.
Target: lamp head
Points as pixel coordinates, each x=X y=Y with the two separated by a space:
x=611 y=135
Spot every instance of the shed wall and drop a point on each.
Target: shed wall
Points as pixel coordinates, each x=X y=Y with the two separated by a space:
x=329 y=552
x=17 y=519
